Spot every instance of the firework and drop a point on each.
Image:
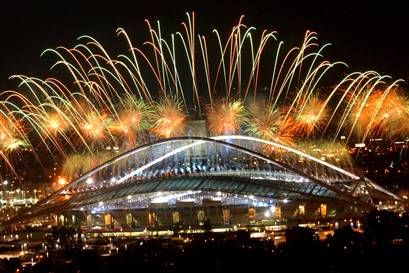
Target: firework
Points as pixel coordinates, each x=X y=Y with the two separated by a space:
x=263 y=121
x=94 y=126
x=134 y=119
x=287 y=132
x=226 y=117
x=169 y=118
x=11 y=136
x=12 y=139
x=381 y=113
x=113 y=100
x=311 y=116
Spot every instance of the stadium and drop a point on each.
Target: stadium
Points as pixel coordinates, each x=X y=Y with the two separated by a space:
x=227 y=180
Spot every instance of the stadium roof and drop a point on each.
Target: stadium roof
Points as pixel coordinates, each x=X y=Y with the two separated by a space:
x=232 y=164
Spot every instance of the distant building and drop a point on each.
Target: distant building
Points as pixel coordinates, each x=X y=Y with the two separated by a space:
x=196 y=128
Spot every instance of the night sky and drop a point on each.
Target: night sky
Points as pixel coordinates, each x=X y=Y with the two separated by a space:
x=365 y=36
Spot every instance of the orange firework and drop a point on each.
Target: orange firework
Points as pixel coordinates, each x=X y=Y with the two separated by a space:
x=12 y=139
x=263 y=121
x=311 y=116
x=56 y=124
x=225 y=117
x=134 y=118
x=12 y=136
x=95 y=126
x=384 y=114
x=286 y=132
x=169 y=118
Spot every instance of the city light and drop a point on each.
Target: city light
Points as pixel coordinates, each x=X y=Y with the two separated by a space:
x=360 y=145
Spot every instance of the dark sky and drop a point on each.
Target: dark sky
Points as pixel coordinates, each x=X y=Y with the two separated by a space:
x=365 y=35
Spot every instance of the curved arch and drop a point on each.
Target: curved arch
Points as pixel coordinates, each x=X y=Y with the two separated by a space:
x=322 y=162
x=196 y=141
x=54 y=199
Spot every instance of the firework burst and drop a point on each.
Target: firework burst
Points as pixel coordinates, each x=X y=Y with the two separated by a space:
x=226 y=117
x=135 y=118
x=263 y=121
x=311 y=116
x=111 y=100
x=12 y=136
x=169 y=118
x=381 y=113
x=95 y=128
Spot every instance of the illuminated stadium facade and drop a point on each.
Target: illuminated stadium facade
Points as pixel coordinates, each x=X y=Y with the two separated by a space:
x=227 y=179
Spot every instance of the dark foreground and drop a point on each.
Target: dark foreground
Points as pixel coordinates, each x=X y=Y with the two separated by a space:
x=383 y=247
